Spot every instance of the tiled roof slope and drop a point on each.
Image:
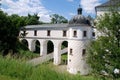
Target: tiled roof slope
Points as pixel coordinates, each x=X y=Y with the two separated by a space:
x=110 y=3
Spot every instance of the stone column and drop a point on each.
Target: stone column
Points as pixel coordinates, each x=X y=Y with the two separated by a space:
x=57 y=53
x=30 y=45
x=43 y=48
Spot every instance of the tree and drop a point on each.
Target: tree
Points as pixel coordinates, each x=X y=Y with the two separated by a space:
x=104 y=53
x=9 y=32
x=32 y=19
x=55 y=18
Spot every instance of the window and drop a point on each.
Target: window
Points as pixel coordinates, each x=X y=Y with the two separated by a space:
x=69 y=60
x=84 y=33
x=24 y=32
x=75 y=33
x=71 y=51
x=93 y=34
x=83 y=52
x=64 y=33
x=48 y=33
x=35 y=33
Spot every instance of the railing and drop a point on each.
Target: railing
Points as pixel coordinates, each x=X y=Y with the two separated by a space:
x=63 y=51
x=41 y=59
x=45 y=58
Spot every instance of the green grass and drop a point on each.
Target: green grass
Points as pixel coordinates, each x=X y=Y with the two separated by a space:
x=12 y=69
x=2 y=77
x=27 y=54
x=64 y=56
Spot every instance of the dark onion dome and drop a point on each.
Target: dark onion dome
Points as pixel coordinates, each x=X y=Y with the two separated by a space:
x=79 y=19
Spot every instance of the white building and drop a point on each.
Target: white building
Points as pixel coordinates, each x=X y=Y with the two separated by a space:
x=77 y=33
x=107 y=7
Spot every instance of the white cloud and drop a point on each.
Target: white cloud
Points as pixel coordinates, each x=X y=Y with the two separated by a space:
x=70 y=0
x=23 y=7
x=89 y=5
x=72 y=14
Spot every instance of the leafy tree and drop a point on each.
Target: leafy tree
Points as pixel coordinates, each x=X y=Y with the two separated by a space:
x=55 y=18
x=32 y=19
x=104 y=53
x=9 y=32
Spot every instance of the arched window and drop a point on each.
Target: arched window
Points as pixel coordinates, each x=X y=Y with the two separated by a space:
x=75 y=34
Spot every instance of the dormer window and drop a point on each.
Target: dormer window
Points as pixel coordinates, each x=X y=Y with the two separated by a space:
x=64 y=33
x=84 y=33
x=35 y=32
x=75 y=34
x=48 y=33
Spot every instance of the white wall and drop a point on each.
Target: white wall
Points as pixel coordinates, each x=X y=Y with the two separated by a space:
x=76 y=62
x=43 y=33
x=80 y=32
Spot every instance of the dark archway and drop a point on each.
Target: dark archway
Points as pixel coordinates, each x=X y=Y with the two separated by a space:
x=64 y=44
x=64 y=54
x=25 y=44
x=50 y=47
x=37 y=47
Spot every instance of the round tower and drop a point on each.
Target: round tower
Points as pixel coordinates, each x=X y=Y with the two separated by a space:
x=80 y=35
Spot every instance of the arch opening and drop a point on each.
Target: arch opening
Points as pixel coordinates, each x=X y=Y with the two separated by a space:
x=25 y=44
x=36 y=46
x=50 y=47
x=64 y=52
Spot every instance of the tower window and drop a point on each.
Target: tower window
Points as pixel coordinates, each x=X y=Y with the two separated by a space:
x=84 y=33
x=75 y=33
x=71 y=51
x=64 y=33
x=93 y=34
x=83 y=52
x=48 y=33
x=35 y=32
x=24 y=32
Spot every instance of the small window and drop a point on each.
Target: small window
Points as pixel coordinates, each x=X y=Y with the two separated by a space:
x=24 y=32
x=48 y=33
x=69 y=60
x=75 y=33
x=83 y=52
x=64 y=33
x=93 y=34
x=35 y=33
x=84 y=33
x=71 y=51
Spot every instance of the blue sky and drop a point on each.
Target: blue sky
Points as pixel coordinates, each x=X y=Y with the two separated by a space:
x=44 y=8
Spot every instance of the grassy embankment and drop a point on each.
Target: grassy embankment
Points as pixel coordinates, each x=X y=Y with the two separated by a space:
x=12 y=69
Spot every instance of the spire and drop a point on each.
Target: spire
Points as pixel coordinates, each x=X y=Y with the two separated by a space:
x=79 y=10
